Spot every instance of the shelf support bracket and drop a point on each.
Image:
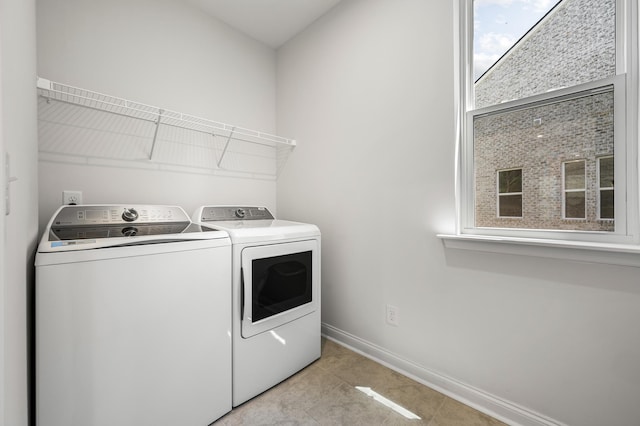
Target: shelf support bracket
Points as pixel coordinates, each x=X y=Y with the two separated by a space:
x=226 y=145
x=155 y=134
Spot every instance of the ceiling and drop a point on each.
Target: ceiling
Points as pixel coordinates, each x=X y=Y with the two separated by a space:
x=272 y=22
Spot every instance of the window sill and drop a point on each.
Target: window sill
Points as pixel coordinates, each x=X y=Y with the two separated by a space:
x=612 y=254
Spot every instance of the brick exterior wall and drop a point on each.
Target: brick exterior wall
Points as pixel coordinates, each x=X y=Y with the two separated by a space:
x=572 y=130
x=574 y=44
x=540 y=139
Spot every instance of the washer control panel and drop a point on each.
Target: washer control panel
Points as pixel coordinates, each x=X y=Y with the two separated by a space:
x=118 y=214
x=214 y=213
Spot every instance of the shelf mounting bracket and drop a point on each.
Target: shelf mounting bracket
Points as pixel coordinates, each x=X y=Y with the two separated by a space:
x=155 y=134
x=226 y=145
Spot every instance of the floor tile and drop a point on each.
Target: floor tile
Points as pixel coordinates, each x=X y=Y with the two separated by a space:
x=454 y=413
x=348 y=406
x=326 y=393
x=305 y=389
x=417 y=398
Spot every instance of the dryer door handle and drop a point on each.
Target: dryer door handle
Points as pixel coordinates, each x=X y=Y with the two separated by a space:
x=241 y=294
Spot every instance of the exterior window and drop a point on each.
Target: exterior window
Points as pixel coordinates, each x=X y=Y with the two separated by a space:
x=540 y=137
x=572 y=43
x=558 y=102
x=510 y=193
x=605 y=187
x=575 y=192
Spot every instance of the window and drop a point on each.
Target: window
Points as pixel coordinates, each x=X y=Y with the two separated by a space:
x=558 y=102
x=575 y=191
x=510 y=193
x=605 y=188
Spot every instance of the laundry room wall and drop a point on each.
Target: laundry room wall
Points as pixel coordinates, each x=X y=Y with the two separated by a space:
x=368 y=89
x=19 y=236
x=163 y=53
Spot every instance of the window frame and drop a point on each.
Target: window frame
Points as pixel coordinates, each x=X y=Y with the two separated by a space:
x=625 y=89
x=505 y=194
x=565 y=190
x=606 y=188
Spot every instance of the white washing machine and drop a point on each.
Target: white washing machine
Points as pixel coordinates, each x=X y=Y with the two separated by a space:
x=276 y=295
x=133 y=318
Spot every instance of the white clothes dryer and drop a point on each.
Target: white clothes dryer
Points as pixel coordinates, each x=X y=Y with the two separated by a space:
x=133 y=318
x=276 y=295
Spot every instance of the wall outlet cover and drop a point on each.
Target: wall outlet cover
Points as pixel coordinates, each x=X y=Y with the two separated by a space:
x=71 y=197
x=392 y=315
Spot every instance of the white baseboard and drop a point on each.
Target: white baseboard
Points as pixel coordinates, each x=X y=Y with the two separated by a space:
x=498 y=408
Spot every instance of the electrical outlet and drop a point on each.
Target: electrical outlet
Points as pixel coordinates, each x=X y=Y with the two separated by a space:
x=71 y=197
x=392 y=315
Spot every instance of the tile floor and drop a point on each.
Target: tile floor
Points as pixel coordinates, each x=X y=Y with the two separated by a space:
x=324 y=393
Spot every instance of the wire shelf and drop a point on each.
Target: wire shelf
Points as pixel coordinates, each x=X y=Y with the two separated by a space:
x=80 y=122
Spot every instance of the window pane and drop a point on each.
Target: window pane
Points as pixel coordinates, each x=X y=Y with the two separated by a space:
x=606 y=204
x=510 y=181
x=543 y=140
x=606 y=172
x=575 y=205
x=574 y=175
x=517 y=54
x=510 y=206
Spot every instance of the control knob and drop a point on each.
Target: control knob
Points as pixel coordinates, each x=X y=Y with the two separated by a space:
x=129 y=215
x=240 y=213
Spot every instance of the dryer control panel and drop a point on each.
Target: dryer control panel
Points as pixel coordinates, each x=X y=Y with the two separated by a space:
x=214 y=213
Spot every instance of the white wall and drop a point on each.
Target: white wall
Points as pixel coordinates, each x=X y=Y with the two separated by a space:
x=2 y=249
x=18 y=59
x=368 y=92
x=161 y=53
